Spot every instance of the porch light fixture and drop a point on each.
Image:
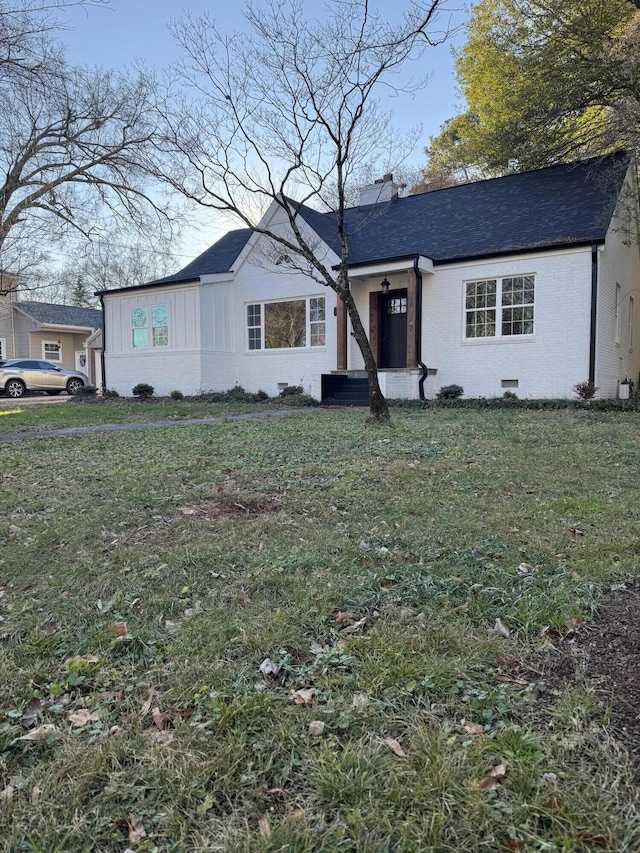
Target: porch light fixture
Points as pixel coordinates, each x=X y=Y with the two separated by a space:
x=384 y=284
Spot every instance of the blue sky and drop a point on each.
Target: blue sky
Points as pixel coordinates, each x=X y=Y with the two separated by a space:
x=128 y=30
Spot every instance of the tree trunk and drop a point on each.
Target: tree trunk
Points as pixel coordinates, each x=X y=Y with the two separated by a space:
x=378 y=408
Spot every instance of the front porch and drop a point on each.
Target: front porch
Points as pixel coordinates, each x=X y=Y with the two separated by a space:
x=388 y=295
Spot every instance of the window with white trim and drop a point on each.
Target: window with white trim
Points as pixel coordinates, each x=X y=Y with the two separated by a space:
x=52 y=350
x=287 y=324
x=3 y=349
x=499 y=307
x=618 y=306
x=150 y=325
x=631 y=307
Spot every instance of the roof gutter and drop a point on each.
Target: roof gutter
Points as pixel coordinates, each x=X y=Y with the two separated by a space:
x=594 y=312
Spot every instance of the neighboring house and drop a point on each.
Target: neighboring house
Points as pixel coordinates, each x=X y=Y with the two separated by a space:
x=526 y=283
x=56 y=333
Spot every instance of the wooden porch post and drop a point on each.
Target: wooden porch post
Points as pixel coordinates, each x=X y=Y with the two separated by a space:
x=341 y=335
x=412 y=318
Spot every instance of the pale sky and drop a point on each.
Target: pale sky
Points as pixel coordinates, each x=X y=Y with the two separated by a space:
x=128 y=30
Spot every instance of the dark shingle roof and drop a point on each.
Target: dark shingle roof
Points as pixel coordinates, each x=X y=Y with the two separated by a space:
x=215 y=259
x=570 y=204
x=62 y=315
x=557 y=206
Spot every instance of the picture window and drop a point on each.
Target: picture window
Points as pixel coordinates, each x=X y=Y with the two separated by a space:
x=289 y=324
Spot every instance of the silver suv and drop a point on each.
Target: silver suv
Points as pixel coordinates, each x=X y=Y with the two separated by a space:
x=18 y=375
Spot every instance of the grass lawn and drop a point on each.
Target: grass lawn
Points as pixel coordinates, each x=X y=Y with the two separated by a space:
x=71 y=413
x=146 y=578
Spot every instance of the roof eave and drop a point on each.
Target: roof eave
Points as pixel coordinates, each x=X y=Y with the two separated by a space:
x=524 y=250
x=147 y=286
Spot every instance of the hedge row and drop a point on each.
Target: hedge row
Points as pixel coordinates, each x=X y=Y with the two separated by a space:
x=511 y=403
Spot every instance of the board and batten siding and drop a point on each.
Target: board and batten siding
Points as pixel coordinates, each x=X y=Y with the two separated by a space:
x=174 y=367
x=217 y=356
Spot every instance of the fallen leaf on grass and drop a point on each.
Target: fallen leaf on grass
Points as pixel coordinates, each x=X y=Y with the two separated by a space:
x=119 y=629
x=7 y=794
x=343 y=616
x=351 y=629
x=147 y=705
x=395 y=747
x=316 y=728
x=84 y=659
x=269 y=668
x=35 y=795
x=461 y=608
x=48 y=628
x=576 y=531
x=526 y=569
x=41 y=733
x=136 y=829
x=471 y=728
x=500 y=629
x=82 y=717
x=304 y=696
x=171 y=627
x=457 y=581
x=359 y=700
x=164 y=720
x=264 y=826
x=494 y=778
x=30 y=715
x=550 y=778
x=316 y=648
x=159 y=719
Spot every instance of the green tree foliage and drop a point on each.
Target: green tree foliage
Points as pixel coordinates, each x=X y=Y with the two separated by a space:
x=544 y=81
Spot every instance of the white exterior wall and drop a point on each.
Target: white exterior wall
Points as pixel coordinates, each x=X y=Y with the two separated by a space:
x=174 y=367
x=546 y=364
x=217 y=357
x=617 y=356
x=266 y=369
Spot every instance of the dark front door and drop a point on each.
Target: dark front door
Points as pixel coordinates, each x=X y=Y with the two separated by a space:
x=393 y=329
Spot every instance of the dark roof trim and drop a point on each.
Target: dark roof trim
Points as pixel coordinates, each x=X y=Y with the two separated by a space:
x=151 y=285
x=390 y=260
x=526 y=250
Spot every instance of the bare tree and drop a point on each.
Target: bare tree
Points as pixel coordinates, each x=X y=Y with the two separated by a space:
x=288 y=111
x=24 y=29
x=103 y=265
x=72 y=141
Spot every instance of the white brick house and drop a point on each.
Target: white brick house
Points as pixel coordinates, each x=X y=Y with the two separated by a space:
x=529 y=282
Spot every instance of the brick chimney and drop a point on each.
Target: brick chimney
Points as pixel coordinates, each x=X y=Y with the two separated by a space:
x=382 y=190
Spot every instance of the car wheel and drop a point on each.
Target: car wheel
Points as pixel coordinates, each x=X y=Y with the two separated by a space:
x=15 y=388
x=74 y=385
x=53 y=393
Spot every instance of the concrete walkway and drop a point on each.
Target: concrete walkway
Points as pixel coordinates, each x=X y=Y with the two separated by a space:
x=92 y=430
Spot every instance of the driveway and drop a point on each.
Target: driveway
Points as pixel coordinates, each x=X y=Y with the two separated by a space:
x=30 y=400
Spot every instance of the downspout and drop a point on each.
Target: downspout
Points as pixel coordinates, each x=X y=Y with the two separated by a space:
x=104 y=343
x=423 y=366
x=594 y=312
